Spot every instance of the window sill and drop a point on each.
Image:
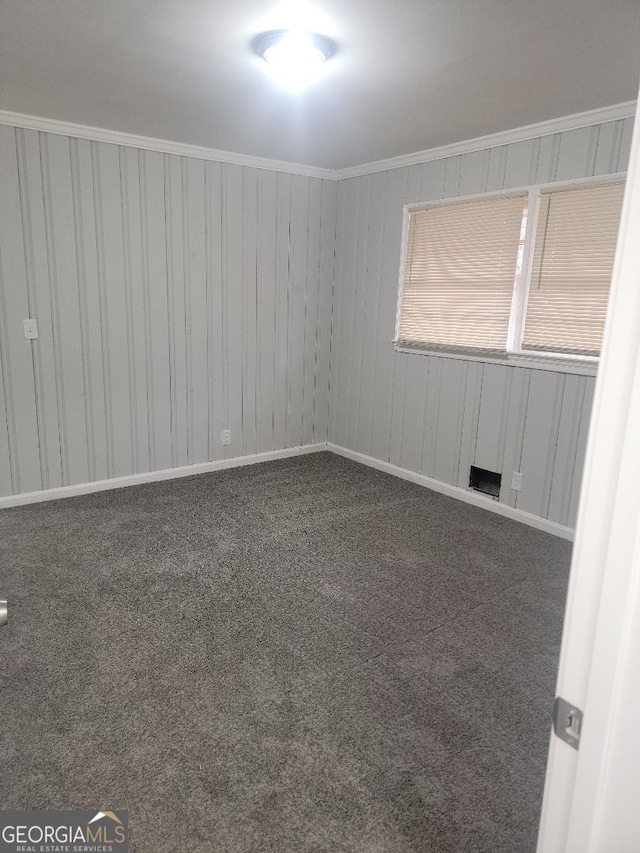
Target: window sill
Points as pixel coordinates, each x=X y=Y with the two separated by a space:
x=582 y=366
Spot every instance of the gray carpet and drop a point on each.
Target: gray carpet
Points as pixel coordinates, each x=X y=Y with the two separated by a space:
x=304 y=655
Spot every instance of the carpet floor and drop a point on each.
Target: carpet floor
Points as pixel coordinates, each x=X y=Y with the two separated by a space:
x=304 y=655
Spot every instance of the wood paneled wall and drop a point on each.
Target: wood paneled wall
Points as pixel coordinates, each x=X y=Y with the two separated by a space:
x=178 y=297
x=435 y=415
x=175 y=298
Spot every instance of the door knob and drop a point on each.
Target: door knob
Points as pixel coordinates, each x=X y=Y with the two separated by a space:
x=4 y=613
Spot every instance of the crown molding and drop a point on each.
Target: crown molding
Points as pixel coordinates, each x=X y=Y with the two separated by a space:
x=164 y=146
x=616 y=112
x=517 y=134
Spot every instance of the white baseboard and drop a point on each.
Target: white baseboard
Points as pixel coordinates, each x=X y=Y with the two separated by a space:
x=456 y=492
x=154 y=476
x=269 y=456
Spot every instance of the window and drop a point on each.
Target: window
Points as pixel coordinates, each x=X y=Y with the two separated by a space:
x=521 y=274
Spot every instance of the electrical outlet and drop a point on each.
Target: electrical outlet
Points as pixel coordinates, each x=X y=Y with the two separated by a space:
x=516 y=481
x=225 y=437
x=30 y=326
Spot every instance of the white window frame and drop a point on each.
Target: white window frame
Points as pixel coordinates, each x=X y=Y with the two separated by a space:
x=515 y=355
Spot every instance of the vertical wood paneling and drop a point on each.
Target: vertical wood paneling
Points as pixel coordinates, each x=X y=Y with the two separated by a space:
x=340 y=284
x=573 y=158
x=518 y=163
x=175 y=299
x=233 y=357
x=371 y=266
x=438 y=415
x=154 y=253
x=135 y=315
x=110 y=254
x=417 y=378
x=450 y=420
x=384 y=361
x=28 y=145
x=90 y=294
x=625 y=145
x=605 y=137
x=412 y=193
x=474 y=383
x=361 y=301
x=547 y=159
x=398 y=399
x=178 y=298
x=518 y=382
x=297 y=315
x=312 y=308
x=539 y=441
x=431 y=179
x=353 y=316
x=177 y=276
x=492 y=417
x=473 y=173
x=216 y=403
x=283 y=298
x=32 y=300
x=249 y=305
x=497 y=168
x=266 y=306
x=341 y=373
x=451 y=177
x=196 y=308
x=78 y=221
x=327 y=293
x=430 y=416
x=581 y=449
x=5 y=462
x=17 y=372
x=566 y=448
x=65 y=305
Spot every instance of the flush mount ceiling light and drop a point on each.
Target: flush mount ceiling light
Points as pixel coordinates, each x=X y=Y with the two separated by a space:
x=295 y=58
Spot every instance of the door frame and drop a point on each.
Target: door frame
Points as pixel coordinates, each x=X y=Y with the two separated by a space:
x=588 y=804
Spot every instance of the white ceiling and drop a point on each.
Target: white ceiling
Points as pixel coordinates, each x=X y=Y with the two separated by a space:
x=409 y=74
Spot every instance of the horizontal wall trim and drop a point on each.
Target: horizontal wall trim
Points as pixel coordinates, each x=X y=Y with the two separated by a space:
x=156 y=476
x=164 y=146
x=272 y=455
x=455 y=492
x=615 y=112
x=517 y=134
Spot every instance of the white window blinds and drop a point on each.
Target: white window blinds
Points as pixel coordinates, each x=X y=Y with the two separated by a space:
x=573 y=256
x=459 y=274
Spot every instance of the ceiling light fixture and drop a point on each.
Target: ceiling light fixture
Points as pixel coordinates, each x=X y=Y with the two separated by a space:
x=294 y=57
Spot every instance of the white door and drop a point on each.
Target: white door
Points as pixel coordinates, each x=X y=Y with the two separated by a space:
x=592 y=795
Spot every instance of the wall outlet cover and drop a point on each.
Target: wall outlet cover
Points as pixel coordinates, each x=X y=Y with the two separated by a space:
x=30 y=326
x=516 y=481
x=225 y=437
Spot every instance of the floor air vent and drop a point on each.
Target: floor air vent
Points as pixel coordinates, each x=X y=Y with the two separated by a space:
x=487 y=482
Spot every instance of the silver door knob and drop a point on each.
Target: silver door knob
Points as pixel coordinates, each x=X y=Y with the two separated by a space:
x=4 y=613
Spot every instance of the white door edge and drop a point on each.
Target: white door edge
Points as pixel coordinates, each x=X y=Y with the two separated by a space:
x=585 y=790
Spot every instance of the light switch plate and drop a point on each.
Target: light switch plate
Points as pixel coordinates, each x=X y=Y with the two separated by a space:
x=30 y=326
